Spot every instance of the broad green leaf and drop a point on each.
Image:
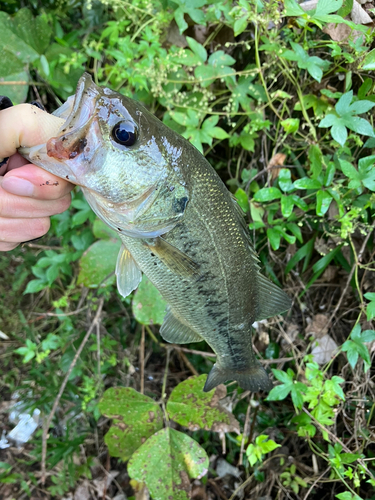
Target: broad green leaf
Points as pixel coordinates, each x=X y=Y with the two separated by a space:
x=369 y=61
x=307 y=183
x=285 y=180
x=166 y=461
x=274 y=238
x=290 y=125
x=189 y=406
x=135 y=418
x=240 y=25
x=102 y=230
x=323 y=201
x=206 y=74
x=292 y=8
x=148 y=305
x=316 y=160
x=197 y=48
x=98 y=262
x=287 y=205
x=242 y=199
x=267 y=194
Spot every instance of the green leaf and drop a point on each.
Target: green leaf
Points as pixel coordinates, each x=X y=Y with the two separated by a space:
x=166 y=461
x=136 y=418
x=189 y=406
x=148 y=305
x=242 y=199
x=287 y=205
x=197 y=48
x=323 y=201
x=369 y=61
x=292 y=8
x=267 y=194
x=316 y=160
x=274 y=238
x=98 y=262
x=35 y=286
x=285 y=180
x=205 y=74
x=240 y=25
x=306 y=183
x=290 y=125
x=103 y=231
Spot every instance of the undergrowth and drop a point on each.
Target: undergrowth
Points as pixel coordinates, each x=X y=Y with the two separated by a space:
x=284 y=113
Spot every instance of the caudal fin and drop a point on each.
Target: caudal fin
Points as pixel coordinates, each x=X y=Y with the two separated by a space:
x=253 y=379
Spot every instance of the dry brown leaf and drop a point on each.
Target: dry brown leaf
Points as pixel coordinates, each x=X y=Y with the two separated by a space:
x=277 y=160
x=82 y=492
x=318 y=326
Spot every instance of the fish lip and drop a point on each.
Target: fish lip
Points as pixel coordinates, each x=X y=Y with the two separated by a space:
x=85 y=87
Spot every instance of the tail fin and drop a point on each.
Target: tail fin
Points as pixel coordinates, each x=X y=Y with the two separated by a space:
x=253 y=379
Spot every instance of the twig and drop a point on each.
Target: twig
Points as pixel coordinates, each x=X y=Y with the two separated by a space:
x=217 y=489
x=244 y=434
x=188 y=364
x=337 y=440
x=57 y=315
x=142 y=360
x=316 y=481
x=62 y=388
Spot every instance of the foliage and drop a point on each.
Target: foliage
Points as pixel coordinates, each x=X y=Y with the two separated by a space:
x=284 y=113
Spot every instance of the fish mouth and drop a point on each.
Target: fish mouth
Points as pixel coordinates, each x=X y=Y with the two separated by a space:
x=79 y=113
x=70 y=141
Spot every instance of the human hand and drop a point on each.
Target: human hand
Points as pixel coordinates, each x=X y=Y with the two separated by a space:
x=28 y=194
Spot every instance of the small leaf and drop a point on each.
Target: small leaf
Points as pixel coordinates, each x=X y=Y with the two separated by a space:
x=369 y=61
x=323 y=201
x=197 y=48
x=148 y=305
x=267 y=194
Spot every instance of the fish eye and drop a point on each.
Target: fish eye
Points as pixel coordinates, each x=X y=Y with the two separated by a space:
x=124 y=133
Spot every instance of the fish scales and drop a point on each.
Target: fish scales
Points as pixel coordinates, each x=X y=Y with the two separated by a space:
x=178 y=223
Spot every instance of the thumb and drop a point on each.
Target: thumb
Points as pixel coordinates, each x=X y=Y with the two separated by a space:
x=25 y=125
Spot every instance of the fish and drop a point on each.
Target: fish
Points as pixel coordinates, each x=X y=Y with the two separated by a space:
x=178 y=223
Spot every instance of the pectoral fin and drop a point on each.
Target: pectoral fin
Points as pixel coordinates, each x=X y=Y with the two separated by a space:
x=173 y=258
x=127 y=272
x=175 y=331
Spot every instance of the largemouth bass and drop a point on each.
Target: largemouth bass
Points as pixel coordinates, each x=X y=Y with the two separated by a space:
x=178 y=223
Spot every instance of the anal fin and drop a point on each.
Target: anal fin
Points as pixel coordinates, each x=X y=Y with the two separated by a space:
x=177 y=261
x=272 y=300
x=127 y=272
x=174 y=330
x=252 y=379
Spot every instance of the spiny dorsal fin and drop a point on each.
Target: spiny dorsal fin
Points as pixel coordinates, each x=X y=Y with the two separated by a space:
x=177 y=261
x=241 y=219
x=127 y=272
x=174 y=330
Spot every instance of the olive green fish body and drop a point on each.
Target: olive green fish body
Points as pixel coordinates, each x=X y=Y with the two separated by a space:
x=177 y=221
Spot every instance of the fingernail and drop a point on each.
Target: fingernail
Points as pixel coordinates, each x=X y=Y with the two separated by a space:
x=16 y=185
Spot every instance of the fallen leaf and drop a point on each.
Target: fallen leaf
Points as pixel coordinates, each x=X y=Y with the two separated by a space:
x=318 y=327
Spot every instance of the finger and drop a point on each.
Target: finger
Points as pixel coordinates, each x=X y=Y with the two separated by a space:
x=18 y=230
x=25 y=125
x=34 y=182
x=16 y=207
x=7 y=247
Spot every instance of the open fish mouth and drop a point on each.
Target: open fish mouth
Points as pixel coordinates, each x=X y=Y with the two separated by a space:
x=78 y=128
